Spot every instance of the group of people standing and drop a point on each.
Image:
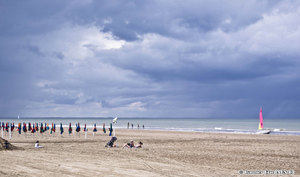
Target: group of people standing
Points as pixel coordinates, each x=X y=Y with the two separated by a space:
x=138 y=126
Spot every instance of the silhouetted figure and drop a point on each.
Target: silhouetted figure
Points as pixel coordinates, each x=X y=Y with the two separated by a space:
x=111 y=142
x=6 y=144
x=132 y=126
x=128 y=125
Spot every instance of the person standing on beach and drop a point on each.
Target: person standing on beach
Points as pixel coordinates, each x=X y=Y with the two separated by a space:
x=128 y=125
x=143 y=127
x=138 y=126
x=131 y=126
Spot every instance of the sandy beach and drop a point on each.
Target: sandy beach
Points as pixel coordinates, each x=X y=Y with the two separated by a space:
x=165 y=153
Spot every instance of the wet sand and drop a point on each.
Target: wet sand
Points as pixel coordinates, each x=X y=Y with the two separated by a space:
x=165 y=153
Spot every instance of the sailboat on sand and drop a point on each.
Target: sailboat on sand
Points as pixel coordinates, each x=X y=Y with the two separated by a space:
x=261 y=125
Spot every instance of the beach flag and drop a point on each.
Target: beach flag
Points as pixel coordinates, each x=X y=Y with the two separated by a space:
x=33 y=129
x=24 y=127
x=19 y=128
x=110 y=129
x=78 y=127
x=70 y=128
x=95 y=128
x=37 y=127
x=2 y=132
x=114 y=122
x=29 y=126
x=42 y=128
x=260 y=125
x=85 y=131
x=13 y=127
x=104 y=130
x=9 y=130
x=51 y=129
x=54 y=128
x=61 y=129
x=6 y=127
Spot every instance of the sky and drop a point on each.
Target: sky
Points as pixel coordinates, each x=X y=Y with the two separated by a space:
x=150 y=58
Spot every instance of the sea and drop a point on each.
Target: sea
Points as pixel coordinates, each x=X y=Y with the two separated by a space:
x=214 y=125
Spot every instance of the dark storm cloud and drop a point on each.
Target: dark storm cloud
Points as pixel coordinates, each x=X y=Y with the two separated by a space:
x=128 y=19
x=149 y=58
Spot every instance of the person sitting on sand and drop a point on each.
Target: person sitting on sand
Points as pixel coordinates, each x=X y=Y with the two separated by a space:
x=111 y=142
x=37 y=145
x=5 y=145
x=129 y=145
x=140 y=145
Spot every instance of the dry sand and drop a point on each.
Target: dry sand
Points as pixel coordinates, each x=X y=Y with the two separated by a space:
x=164 y=153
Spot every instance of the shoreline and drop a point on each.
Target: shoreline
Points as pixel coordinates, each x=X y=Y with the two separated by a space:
x=197 y=130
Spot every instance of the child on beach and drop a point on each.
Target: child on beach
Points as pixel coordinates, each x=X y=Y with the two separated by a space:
x=37 y=145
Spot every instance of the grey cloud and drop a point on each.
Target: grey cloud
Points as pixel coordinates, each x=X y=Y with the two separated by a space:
x=193 y=59
x=129 y=19
x=58 y=55
x=34 y=49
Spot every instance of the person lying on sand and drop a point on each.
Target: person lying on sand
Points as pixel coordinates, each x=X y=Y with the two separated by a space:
x=140 y=145
x=37 y=145
x=129 y=145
